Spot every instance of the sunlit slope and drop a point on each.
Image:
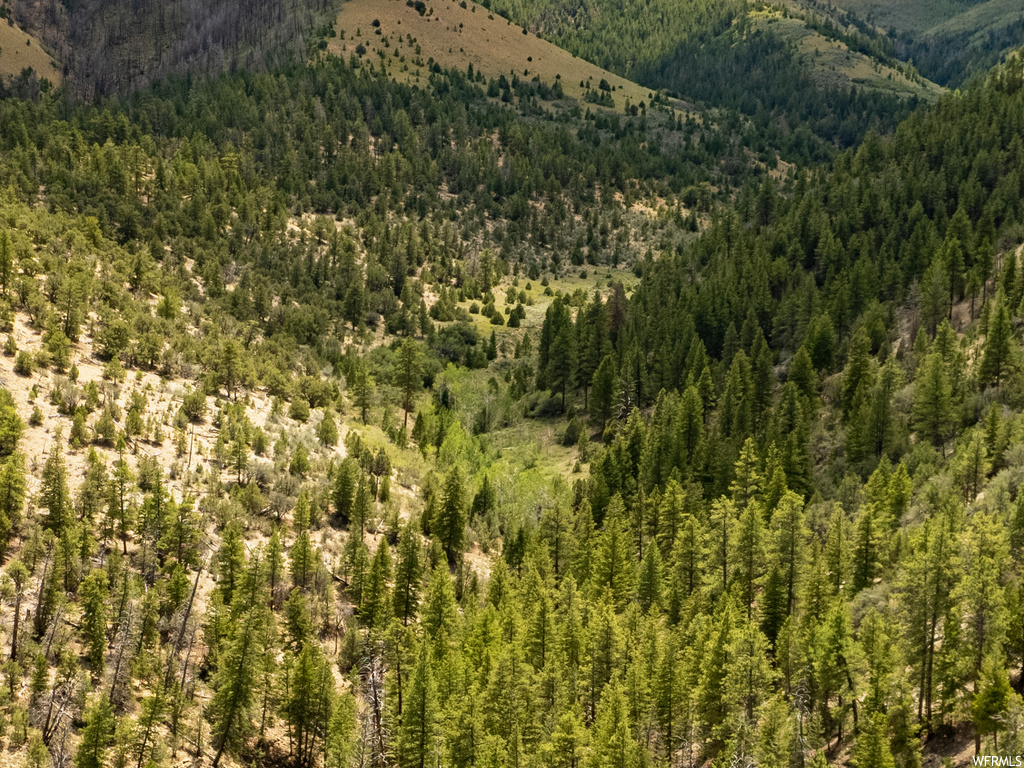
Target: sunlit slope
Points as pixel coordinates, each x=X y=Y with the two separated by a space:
x=453 y=36
x=20 y=51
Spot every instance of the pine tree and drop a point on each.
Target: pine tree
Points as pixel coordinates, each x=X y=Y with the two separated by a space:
x=689 y=569
x=6 y=260
x=723 y=515
x=408 y=574
x=375 y=608
x=417 y=733
x=235 y=682
x=613 y=745
x=230 y=562
x=749 y=549
x=450 y=518
x=97 y=734
x=649 y=586
x=776 y=734
x=991 y=702
x=10 y=423
x=749 y=673
x=409 y=377
x=54 y=494
x=858 y=373
x=602 y=398
x=613 y=560
x=691 y=428
x=93 y=596
x=979 y=595
x=868 y=537
x=565 y=748
x=997 y=358
x=872 y=748
x=747 y=481
x=933 y=401
x=711 y=692
x=362 y=391
x=440 y=611
x=345 y=484
x=12 y=497
x=327 y=430
x=309 y=705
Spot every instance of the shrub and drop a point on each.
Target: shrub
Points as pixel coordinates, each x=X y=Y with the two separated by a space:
x=299 y=410
x=23 y=364
x=193 y=405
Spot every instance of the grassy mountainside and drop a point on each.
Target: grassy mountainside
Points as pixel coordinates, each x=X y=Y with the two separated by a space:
x=834 y=64
x=19 y=51
x=457 y=37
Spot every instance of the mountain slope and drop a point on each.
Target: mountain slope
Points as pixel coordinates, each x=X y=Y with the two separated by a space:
x=726 y=55
x=19 y=51
x=949 y=41
x=458 y=37
x=116 y=46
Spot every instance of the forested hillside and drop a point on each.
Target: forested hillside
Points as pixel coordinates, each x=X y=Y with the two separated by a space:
x=116 y=46
x=952 y=41
x=722 y=55
x=358 y=418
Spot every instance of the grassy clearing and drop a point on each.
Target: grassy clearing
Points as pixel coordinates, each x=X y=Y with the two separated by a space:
x=457 y=36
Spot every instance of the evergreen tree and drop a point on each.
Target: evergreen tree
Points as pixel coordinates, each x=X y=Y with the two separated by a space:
x=375 y=608
x=603 y=397
x=997 y=358
x=54 y=494
x=327 y=430
x=613 y=745
x=933 y=401
x=991 y=701
x=409 y=377
x=12 y=497
x=93 y=594
x=872 y=748
x=407 y=576
x=613 y=561
x=308 y=707
x=449 y=520
x=235 y=682
x=97 y=734
x=417 y=733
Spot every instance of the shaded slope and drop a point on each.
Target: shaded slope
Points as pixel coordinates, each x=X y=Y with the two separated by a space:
x=116 y=46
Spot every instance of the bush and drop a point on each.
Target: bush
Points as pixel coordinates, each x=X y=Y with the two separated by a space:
x=300 y=461
x=299 y=410
x=79 y=433
x=23 y=364
x=193 y=405
x=104 y=430
x=572 y=432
